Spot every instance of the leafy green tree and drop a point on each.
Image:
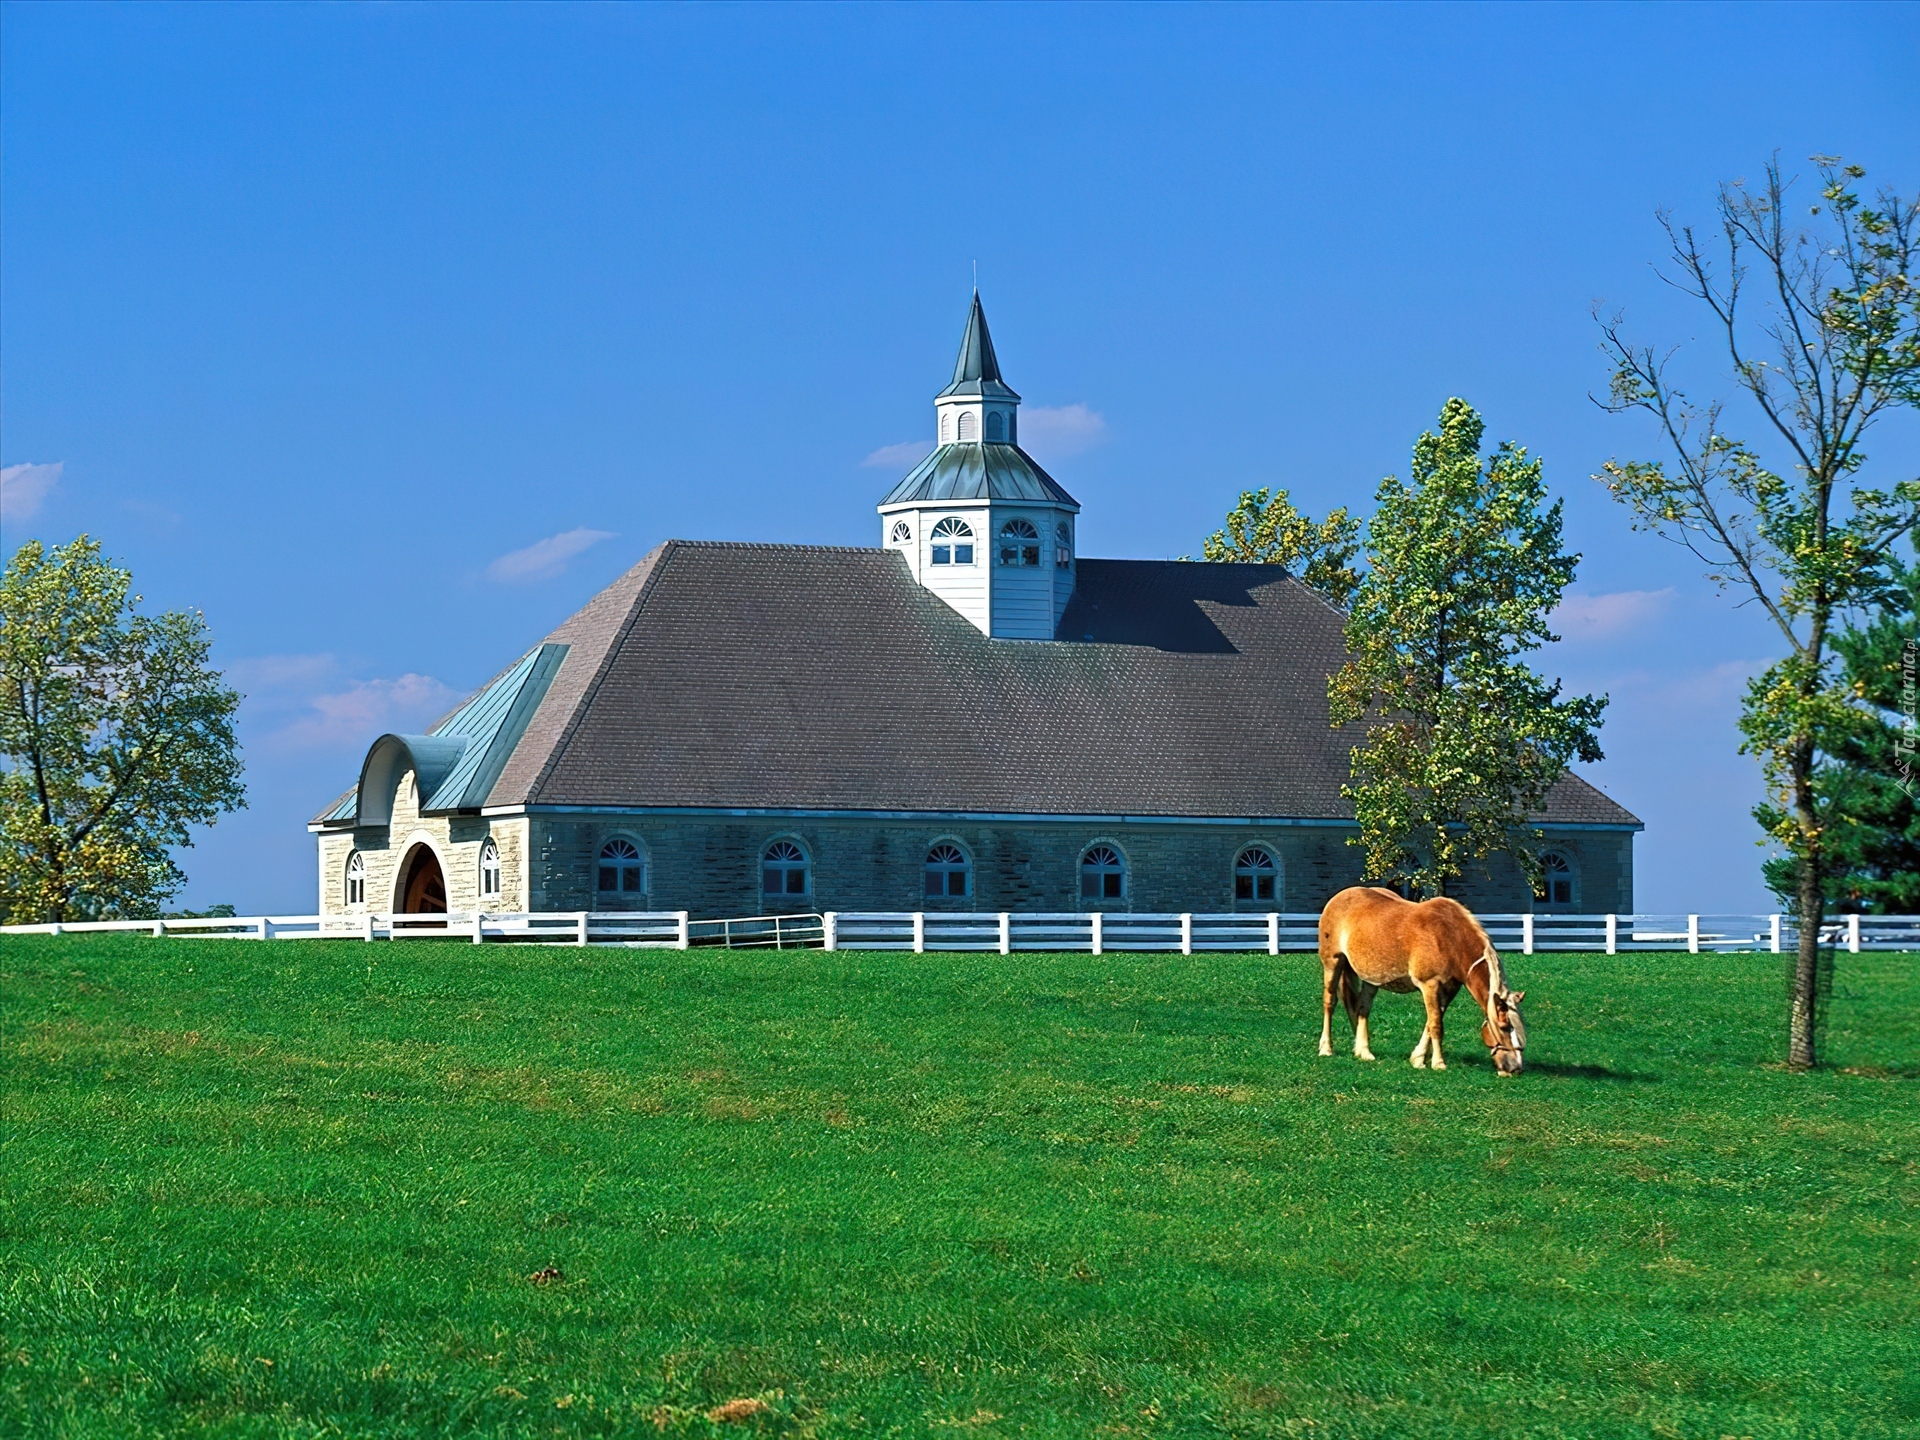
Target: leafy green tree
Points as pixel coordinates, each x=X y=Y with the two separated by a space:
x=1265 y=529
x=1866 y=787
x=1464 y=567
x=1824 y=346
x=115 y=736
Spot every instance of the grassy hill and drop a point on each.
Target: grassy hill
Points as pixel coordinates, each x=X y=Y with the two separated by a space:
x=299 y=1189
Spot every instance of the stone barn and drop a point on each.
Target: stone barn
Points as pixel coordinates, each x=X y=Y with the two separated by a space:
x=970 y=716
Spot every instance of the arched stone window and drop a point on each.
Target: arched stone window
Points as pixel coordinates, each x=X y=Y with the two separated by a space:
x=969 y=427
x=784 y=869
x=1019 y=543
x=996 y=427
x=1556 y=879
x=949 y=872
x=623 y=869
x=1103 y=874
x=953 y=542
x=1256 y=875
x=489 y=871
x=1063 y=546
x=356 y=879
x=902 y=532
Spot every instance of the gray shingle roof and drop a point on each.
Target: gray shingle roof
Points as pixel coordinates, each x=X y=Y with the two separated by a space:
x=811 y=677
x=978 y=470
x=976 y=372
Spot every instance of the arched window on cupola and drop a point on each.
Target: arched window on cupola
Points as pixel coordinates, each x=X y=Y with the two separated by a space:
x=1013 y=428
x=1063 y=546
x=996 y=427
x=1019 y=543
x=902 y=532
x=969 y=427
x=946 y=426
x=953 y=542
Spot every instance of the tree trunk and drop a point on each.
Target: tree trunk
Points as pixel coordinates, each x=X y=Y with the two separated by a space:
x=1804 y=1016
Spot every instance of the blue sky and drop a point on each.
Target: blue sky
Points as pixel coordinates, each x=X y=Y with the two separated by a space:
x=385 y=335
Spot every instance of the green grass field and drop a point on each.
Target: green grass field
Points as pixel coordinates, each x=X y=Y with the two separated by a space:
x=299 y=1189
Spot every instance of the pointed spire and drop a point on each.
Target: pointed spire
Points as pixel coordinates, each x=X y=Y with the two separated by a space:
x=976 y=371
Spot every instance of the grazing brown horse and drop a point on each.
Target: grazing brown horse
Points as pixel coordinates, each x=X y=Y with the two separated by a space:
x=1372 y=940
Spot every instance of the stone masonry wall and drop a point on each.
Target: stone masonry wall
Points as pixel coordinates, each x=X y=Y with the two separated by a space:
x=711 y=867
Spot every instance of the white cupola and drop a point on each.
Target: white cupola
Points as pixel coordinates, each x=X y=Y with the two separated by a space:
x=978 y=522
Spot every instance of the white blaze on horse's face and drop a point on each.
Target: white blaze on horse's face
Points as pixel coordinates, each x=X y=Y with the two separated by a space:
x=1505 y=1031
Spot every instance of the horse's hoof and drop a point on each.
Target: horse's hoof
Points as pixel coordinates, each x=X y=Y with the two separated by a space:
x=1326 y=1050
x=1418 y=1060
x=1439 y=1064
x=1363 y=1055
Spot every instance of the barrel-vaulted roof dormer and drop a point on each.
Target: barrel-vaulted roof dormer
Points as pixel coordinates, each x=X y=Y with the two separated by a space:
x=978 y=522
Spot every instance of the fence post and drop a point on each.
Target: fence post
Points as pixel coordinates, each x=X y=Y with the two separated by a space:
x=1186 y=934
x=681 y=940
x=366 y=927
x=830 y=930
x=919 y=932
x=1693 y=934
x=1095 y=917
x=1006 y=933
x=580 y=935
x=1776 y=933
x=1273 y=932
x=266 y=928
x=1613 y=934
x=56 y=930
x=1853 y=932
x=1526 y=933
x=159 y=929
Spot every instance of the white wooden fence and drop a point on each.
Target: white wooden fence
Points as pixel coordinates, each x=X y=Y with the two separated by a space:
x=1007 y=932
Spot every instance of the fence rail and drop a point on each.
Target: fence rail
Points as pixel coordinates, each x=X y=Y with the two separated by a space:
x=1007 y=932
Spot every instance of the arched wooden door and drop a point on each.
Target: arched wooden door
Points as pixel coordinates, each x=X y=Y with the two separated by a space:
x=424 y=890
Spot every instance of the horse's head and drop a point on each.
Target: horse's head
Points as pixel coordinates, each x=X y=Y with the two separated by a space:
x=1505 y=1030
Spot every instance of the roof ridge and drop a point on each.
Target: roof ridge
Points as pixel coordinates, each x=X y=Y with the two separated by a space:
x=592 y=687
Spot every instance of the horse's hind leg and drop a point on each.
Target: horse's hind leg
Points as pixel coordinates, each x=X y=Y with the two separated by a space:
x=1329 y=980
x=1428 y=1050
x=1360 y=1005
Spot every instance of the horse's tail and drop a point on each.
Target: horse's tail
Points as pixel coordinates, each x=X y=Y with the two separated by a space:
x=1348 y=982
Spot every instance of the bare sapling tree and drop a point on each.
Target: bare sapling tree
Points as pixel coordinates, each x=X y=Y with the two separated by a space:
x=1820 y=319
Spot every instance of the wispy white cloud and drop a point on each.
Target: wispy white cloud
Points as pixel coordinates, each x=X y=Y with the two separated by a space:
x=365 y=709
x=893 y=457
x=23 y=487
x=544 y=559
x=1053 y=432
x=1601 y=617
x=268 y=675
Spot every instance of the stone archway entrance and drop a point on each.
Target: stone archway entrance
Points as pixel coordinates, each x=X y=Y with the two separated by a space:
x=423 y=889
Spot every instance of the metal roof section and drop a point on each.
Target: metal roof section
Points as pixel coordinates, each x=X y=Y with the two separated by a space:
x=979 y=470
x=976 y=373
x=491 y=725
x=456 y=764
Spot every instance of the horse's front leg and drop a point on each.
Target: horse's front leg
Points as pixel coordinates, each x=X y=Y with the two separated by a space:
x=1428 y=1050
